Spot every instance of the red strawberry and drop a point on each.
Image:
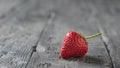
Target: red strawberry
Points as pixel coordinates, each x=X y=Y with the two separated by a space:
x=74 y=45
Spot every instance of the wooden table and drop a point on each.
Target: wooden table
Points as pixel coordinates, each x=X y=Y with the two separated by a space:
x=32 y=32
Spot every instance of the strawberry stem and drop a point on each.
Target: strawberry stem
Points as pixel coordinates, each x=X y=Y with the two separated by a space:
x=92 y=36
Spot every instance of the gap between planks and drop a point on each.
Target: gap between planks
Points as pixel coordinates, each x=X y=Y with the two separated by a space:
x=104 y=39
x=51 y=17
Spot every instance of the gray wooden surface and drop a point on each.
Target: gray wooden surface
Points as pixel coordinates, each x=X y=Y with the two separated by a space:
x=32 y=32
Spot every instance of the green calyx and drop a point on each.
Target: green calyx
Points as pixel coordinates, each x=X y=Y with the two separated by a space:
x=92 y=36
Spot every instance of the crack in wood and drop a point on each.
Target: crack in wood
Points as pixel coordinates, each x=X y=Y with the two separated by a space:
x=105 y=40
x=108 y=51
x=34 y=48
x=51 y=17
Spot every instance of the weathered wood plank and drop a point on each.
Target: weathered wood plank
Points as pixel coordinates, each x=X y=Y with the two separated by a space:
x=19 y=33
x=69 y=14
x=108 y=20
x=80 y=17
x=47 y=54
x=16 y=48
x=110 y=27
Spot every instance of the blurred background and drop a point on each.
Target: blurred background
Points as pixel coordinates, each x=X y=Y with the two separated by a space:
x=75 y=12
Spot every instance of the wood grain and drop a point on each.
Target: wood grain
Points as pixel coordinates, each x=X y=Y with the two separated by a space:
x=32 y=32
x=17 y=47
x=70 y=19
x=109 y=26
x=111 y=37
x=19 y=33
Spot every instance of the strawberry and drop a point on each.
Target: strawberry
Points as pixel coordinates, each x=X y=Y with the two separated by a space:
x=75 y=45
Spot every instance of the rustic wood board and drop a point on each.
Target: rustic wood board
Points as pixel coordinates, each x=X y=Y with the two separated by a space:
x=109 y=25
x=81 y=16
x=111 y=35
x=17 y=46
x=25 y=22
x=20 y=31
x=47 y=51
x=111 y=40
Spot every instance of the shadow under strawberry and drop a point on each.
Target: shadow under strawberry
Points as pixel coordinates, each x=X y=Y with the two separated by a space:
x=87 y=59
x=93 y=60
x=75 y=59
